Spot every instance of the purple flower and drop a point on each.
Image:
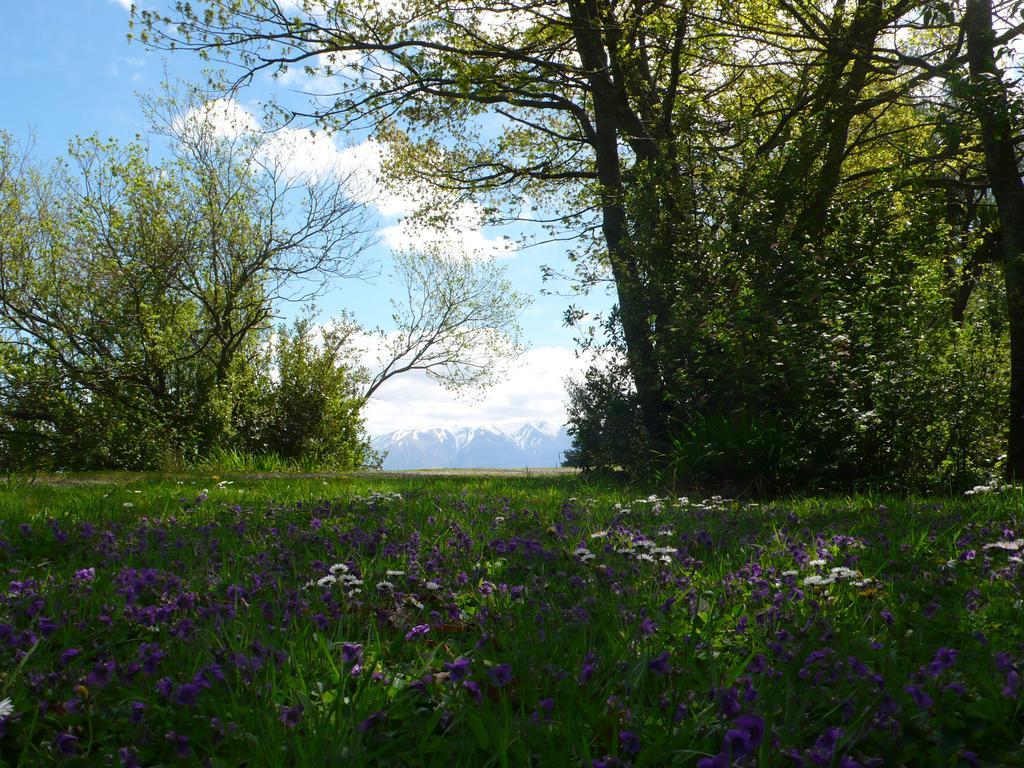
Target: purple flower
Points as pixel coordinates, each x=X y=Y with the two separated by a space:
x=546 y=705
x=137 y=709
x=629 y=742
x=187 y=695
x=500 y=675
x=180 y=742
x=922 y=699
x=1010 y=689
x=68 y=655
x=718 y=761
x=418 y=631
x=371 y=722
x=85 y=574
x=648 y=627
x=458 y=669
x=945 y=658
x=290 y=715
x=128 y=758
x=474 y=691
x=659 y=664
x=65 y=743
x=352 y=652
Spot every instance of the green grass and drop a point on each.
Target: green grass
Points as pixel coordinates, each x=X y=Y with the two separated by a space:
x=915 y=664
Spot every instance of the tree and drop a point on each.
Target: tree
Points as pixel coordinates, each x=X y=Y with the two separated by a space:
x=146 y=285
x=991 y=103
x=457 y=319
x=745 y=172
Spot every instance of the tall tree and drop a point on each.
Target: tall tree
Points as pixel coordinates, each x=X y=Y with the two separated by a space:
x=990 y=100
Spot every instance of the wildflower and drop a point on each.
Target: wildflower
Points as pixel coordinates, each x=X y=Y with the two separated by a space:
x=629 y=742
x=65 y=743
x=137 y=709
x=337 y=568
x=180 y=741
x=458 y=669
x=659 y=664
x=433 y=586
x=944 y=659
x=187 y=695
x=370 y=722
x=1009 y=690
x=351 y=652
x=85 y=574
x=290 y=715
x=6 y=707
x=418 y=631
x=500 y=675
x=922 y=699
x=474 y=690
x=718 y=761
x=1011 y=546
x=386 y=585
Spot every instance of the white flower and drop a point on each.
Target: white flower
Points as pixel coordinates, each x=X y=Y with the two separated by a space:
x=816 y=562
x=433 y=586
x=326 y=581
x=127 y=505
x=844 y=573
x=6 y=707
x=645 y=556
x=1011 y=546
x=599 y=535
x=813 y=581
x=791 y=573
x=385 y=585
x=338 y=567
x=394 y=574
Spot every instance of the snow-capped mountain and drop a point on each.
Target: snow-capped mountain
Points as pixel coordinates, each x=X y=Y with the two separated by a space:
x=535 y=444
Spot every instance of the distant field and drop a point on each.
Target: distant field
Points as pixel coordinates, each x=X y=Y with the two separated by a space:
x=400 y=619
x=122 y=478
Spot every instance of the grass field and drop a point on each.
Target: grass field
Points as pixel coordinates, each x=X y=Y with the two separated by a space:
x=474 y=621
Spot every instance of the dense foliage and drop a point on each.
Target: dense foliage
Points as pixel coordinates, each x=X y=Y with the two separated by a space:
x=527 y=622
x=136 y=301
x=809 y=212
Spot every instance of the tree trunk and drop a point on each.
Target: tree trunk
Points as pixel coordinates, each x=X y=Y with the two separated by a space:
x=633 y=298
x=991 y=106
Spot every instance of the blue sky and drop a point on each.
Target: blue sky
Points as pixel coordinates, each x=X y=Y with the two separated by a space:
x=70 y=71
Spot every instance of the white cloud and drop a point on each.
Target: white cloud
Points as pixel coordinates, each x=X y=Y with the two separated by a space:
x=126 y=4
x=303 y=152
x=533 y=390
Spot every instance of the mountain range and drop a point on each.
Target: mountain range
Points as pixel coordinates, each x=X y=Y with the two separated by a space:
x=534 y=444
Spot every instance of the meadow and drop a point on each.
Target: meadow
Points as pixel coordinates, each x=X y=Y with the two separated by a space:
x=504 y=621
